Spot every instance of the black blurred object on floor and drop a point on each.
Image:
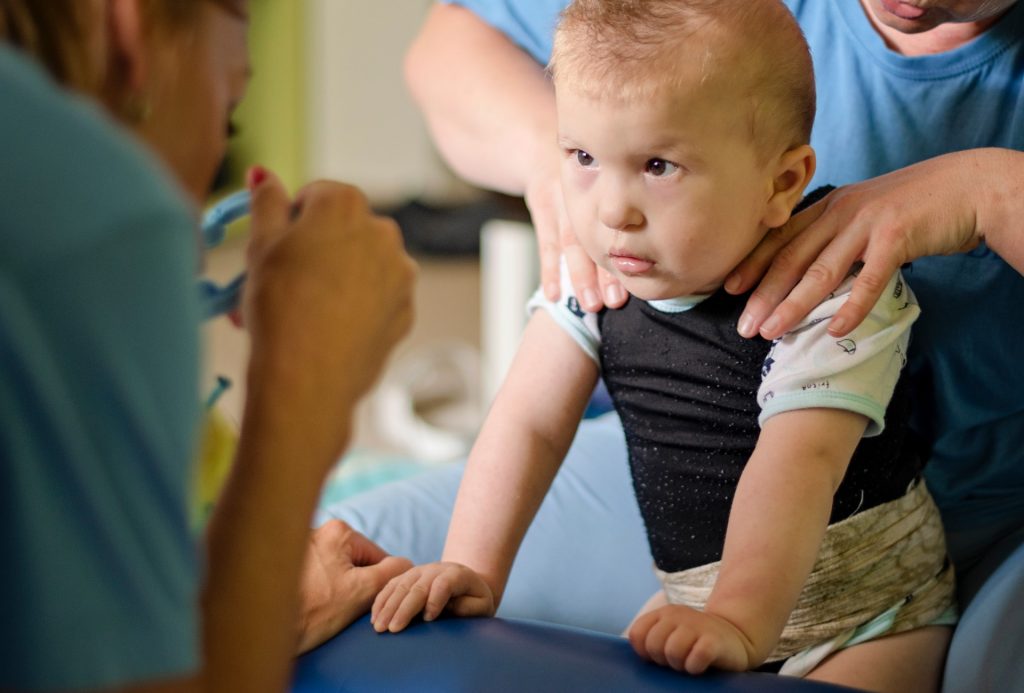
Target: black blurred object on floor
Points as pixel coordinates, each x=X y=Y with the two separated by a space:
x=452 y=230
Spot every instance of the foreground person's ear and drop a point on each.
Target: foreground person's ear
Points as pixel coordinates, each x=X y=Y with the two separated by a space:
x=128 y=67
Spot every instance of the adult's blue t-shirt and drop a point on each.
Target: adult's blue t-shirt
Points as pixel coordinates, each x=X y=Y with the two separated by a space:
x=879 y=111
x=98 y=398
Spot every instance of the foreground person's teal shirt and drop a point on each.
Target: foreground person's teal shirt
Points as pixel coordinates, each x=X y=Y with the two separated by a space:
x=98 y=400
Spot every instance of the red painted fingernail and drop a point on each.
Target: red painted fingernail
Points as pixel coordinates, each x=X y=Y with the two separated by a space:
x=257 y=174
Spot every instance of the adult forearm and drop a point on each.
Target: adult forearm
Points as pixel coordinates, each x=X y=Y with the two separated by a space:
x=329 y=294
x=489 y=105
x=1000 y=210
x=258 y=536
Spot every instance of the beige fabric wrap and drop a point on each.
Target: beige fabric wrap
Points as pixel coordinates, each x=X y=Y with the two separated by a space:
x=892 y=553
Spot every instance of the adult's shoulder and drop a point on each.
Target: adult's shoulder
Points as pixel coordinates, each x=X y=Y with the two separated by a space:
x=71 y=177
x=530 y=24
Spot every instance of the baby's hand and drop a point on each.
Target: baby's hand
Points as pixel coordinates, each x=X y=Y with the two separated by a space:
x=431 y=589
x=689 y=640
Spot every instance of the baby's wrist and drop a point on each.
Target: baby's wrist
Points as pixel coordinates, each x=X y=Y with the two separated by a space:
x=758 y=642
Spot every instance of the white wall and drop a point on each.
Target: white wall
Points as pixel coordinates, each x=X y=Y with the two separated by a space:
x=363 y=127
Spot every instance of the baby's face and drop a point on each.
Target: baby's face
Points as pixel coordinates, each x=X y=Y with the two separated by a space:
x=666 y=193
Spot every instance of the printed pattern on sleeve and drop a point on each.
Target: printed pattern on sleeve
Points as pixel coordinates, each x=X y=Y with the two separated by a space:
x=570 y=316
x=807 y=367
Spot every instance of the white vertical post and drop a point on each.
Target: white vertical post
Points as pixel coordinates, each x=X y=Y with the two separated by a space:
x=508 y=277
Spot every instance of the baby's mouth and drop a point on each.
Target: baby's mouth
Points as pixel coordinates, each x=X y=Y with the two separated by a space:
x=628 y=264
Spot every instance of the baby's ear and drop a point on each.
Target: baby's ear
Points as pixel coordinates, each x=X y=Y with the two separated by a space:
x=793 y=172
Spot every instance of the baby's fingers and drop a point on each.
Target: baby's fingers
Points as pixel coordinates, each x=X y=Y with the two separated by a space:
x=439 y=594
x=402 y=595
x=648 y=635
x=686 y=651
x=382 y=598
x=408 y=606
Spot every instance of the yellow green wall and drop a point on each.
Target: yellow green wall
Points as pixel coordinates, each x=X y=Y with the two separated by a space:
x=272 y=119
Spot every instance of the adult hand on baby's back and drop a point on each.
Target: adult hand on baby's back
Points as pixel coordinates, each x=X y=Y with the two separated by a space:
x=431 y=589
x=342 y=575
x=689 y=640
x=924 y=209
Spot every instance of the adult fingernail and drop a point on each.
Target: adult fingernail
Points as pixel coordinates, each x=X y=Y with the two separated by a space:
x=257 y=174
x=590 y=300
x=837 y=327
x=732 y=283
x=613 y=295
x=746 y=325
x=770 y=326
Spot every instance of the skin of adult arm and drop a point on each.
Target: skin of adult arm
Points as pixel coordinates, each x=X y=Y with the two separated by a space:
x=493 y=120
x=492 y=116
x=328 y=255
x=778 y=519
x=513 y=462
x=941 y=206
x=308 y=368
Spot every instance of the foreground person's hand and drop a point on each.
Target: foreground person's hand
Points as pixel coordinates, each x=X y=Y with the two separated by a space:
x=329 y=294
x=342 y=575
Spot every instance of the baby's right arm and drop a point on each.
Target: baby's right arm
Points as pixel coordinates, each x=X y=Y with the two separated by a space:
x=526 y=435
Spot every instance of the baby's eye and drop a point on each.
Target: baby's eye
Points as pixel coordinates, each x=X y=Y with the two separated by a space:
x=660 y=167
x=584 y=159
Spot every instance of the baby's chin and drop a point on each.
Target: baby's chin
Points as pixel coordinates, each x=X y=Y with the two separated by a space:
x=650 y=289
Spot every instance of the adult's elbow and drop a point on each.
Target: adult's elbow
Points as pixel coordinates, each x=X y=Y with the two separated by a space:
x=425 y=57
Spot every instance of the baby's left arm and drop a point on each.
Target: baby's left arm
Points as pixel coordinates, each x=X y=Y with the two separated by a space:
x=820 y=396
x=778 y=519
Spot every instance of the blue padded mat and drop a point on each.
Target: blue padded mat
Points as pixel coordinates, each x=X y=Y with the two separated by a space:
x=502 y=656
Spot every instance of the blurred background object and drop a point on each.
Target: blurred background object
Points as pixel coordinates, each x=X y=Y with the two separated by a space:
x=329 y=100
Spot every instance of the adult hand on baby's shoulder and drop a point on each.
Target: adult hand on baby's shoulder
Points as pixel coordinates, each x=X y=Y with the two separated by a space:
x=594 y=287
x=925 y=209
x=689 y=640
x=343 y=573
x=432 y=589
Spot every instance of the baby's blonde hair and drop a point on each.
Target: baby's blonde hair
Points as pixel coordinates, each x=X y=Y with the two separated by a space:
x=631 y=50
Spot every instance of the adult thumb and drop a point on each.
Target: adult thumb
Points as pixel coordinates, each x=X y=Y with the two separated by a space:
x=270 y=209
x=390 y=567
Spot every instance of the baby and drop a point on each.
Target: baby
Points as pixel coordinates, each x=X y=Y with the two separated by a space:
x=777 y=481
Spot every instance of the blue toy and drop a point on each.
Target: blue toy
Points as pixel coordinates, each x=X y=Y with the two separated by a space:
x=218 y=299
